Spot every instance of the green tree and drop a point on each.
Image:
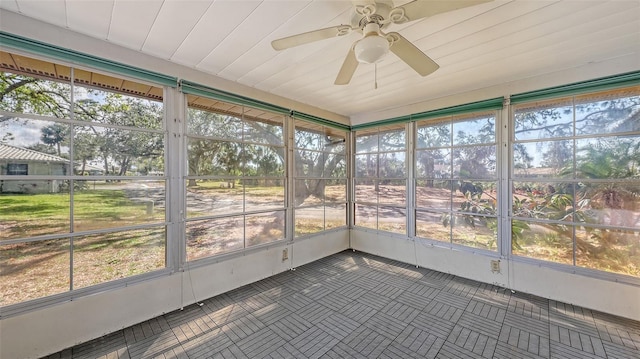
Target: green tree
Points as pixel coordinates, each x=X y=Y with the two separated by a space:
x=85 y=149
x=203 y=154
x=126 y=147
x=54 y=135
x=430 y=162
x=317 y=157
x=606 y=188
x=115 y=147
x=25 y=94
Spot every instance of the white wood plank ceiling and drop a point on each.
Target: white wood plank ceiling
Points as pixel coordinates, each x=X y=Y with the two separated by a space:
x=476 y=47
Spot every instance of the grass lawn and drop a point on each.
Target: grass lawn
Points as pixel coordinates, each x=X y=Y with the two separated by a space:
x=28 y=215
x=37 y=269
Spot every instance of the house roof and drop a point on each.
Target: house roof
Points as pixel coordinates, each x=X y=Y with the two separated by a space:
x=14 y=153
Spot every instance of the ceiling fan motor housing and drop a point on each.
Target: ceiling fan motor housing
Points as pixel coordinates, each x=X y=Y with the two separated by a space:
x=382 y=10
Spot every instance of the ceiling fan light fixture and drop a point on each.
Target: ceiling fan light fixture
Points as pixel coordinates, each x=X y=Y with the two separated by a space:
x=372 y=47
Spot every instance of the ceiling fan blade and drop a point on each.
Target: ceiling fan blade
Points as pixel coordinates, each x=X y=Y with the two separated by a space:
x=412 y=55
x=419 y=9
x=348 y=68
x=311 y=36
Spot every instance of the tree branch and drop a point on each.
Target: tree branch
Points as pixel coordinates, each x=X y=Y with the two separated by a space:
x=16 y=85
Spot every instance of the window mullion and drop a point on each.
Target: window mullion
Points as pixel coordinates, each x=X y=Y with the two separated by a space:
x=351 y=175
x=573 y=177
x=410 y=205
x=503 y=155
x=289 y=130
x=71 y=166
x=175 y=154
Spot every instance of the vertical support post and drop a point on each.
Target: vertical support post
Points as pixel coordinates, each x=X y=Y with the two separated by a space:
x=411 y=186
x=175 y=175
x=411 y=190
x=71 y=182
x=503 y=154
x=350 y=155
x=289 y=130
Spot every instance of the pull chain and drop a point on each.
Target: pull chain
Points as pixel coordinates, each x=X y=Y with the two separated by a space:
x=375 y=76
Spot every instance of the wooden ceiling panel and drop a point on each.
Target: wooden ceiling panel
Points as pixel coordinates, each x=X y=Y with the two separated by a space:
x=10 y=5
x=390 y=66
x=559 y=44
x=455 y=30
x=131 y=22
x=512 y=31
x=212 y=29
x=477 y=47
x=483 y=76
x=314 y=16
x=321 y=65
x=92 y=17
x=53 y=11
x=280 y=66
x=259 y=23
x=174 y=22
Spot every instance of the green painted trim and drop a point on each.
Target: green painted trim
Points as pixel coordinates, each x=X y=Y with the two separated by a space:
x=321 y=121
x=389 y=121
x=486 y=105
x=204 y=91
x=605 y=83
x=75 y=57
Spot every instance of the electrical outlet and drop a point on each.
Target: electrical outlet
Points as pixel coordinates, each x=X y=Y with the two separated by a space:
x=285 y=254
x=495 y=266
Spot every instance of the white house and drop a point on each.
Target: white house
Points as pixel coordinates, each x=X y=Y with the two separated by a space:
x=18 y=161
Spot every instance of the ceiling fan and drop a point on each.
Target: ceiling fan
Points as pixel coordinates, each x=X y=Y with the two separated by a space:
x=370 y=18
